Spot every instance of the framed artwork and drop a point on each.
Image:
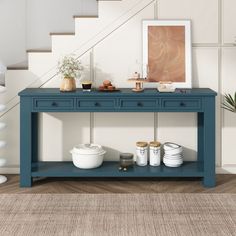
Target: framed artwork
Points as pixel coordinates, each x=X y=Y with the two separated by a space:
x=167 y=52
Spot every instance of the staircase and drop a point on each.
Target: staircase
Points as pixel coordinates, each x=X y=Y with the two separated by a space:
x=90 y=31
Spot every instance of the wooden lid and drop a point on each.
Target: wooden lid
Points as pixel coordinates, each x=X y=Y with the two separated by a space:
x=141 y=144
x=155 y=144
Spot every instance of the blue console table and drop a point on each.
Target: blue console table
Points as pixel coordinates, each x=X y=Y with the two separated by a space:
x=36 y=100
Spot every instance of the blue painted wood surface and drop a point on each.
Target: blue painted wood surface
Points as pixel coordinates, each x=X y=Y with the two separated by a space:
x=35 y=100
x=110 y=169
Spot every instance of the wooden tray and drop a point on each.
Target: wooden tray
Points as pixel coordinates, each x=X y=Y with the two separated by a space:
x=108 y=91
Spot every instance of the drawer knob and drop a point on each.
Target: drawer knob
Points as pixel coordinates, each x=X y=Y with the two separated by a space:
x=182 y=104
x=139 y=104
x=54 y=104
x=96 y=104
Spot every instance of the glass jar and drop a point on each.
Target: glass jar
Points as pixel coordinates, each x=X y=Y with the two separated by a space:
x=155 y=153
x=141 y=153
x=87 y=86
x=126 y=161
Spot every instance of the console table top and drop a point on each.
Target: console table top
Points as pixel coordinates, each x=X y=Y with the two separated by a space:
x=29 y=92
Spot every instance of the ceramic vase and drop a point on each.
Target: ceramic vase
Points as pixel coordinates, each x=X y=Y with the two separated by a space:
x=68 y=85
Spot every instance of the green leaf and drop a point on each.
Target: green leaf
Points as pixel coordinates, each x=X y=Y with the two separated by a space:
x=229 y=102
x=231 y=99
x=235 y=100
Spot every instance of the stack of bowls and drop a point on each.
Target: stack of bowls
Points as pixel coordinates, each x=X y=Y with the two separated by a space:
x=173 y=155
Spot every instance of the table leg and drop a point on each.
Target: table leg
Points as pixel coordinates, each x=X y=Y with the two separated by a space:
x=25 y=142
x=200 y=136
x=209 y=142
x=35 y=137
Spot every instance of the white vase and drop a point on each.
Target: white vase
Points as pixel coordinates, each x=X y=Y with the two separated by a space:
x=3 y=179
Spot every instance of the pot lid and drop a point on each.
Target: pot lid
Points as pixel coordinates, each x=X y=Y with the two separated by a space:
x=88 y=149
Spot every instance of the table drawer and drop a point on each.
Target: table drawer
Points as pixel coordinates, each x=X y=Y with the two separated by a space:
x=96 y=104
x=53 y=104
x=139 y=104
x=184 y=104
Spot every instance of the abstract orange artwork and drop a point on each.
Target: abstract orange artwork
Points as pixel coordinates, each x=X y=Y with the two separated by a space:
x=166 y=53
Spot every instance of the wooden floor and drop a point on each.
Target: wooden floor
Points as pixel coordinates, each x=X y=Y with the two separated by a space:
x=225 y=184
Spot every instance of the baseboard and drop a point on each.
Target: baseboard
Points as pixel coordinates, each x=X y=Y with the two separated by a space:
x=9 y=170
x=227 y=169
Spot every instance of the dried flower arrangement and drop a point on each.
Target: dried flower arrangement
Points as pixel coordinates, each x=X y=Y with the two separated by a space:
x=70 y=67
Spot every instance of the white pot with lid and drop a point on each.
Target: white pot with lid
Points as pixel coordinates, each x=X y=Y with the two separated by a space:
x=87 y=156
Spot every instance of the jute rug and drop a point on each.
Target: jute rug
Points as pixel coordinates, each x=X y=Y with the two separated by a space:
x=118 y=214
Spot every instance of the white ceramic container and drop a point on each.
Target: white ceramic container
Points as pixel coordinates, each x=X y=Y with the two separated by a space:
x=141 y=153
x=154 y=153
x=87 y=156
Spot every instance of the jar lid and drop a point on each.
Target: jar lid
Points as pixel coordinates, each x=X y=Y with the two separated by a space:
x=141 y=144
x=155 y=144
x=126 y=156
x=88 y=149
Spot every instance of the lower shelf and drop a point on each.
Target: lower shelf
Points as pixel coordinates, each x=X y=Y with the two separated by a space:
x=110 y=169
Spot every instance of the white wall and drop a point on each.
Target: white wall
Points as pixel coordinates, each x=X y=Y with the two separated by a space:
x=12 y=31
x=214 y=60
x=26 y=24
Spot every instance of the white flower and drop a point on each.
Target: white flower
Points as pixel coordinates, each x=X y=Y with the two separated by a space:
x=69 y=66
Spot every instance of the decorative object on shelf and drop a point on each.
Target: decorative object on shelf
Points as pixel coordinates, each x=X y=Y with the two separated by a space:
x=165 y=87
x=154 y=153
x=70 y=68
x=87 y=156
x=68 y=84
x=167 y=52
x=173 y=154
x=136 y=75
x=229 y=102
x=126 y=161
x=87 y=86
x=138 y=84
x=141 y=153
x=107 y=86
x=3 y=70
x=3 y=143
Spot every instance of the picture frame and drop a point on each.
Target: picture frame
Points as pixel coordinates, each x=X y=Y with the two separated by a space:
x=167 y=52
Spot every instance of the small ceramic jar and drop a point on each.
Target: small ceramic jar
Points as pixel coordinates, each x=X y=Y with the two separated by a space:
x=155 y=153
x=141 y=153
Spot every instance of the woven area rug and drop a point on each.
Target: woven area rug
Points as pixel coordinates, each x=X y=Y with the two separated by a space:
x=118 y=214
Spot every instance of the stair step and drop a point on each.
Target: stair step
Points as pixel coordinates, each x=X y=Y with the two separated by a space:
x=59 y=33
x=17 y=68
x=86 y=16
x=38 y=50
